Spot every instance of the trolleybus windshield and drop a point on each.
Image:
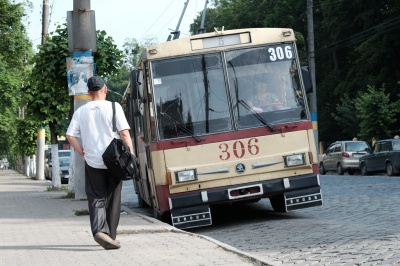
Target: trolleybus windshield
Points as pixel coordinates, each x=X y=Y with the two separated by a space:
x=228 y=90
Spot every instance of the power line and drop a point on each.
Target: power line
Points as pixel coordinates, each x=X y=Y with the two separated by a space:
x=156 y=20
x=51 y=13
x=174 y=16
x=364 y=35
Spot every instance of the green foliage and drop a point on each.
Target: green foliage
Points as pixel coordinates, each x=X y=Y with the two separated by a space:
x=27 y=137
x=376 y=113
x=356 y=45
x=344 y=116
x=108 y=58
x=239 y=14
x=117 y=85
x=15 y=49
x=81 y=212
x=47 y=96
x=133 y=49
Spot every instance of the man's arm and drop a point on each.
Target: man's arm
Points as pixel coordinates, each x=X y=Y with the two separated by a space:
x=75 y=144
x=126 y=137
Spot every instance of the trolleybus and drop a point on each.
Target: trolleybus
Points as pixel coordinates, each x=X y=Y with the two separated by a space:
x=199 y=136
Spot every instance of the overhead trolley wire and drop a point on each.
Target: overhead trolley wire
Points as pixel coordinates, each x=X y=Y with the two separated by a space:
x=174 y=16
x=364 y=35
x=156 y=20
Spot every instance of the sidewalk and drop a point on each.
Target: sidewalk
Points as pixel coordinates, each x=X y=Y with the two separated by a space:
x=39 y=227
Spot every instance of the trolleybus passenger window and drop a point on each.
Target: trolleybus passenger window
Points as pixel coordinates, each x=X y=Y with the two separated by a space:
x=190 y=96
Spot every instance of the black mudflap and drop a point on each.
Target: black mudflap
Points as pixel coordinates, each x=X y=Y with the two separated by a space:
x=191 y=217
x=303 y=198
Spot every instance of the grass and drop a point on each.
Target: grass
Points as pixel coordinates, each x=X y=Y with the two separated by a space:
x=69 y=195
x=81 y=212
x=62 y=188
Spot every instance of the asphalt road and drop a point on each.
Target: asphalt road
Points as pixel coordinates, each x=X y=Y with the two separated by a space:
x=357 y=224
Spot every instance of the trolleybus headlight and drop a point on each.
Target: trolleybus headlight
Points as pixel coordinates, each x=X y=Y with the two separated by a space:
x=294 y=159
x=186 y=176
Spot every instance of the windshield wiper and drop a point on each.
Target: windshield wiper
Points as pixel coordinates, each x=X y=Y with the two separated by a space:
x=262 y=120
x=181 y=126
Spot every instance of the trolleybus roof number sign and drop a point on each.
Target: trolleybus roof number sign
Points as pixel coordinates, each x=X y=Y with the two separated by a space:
x=281 y=52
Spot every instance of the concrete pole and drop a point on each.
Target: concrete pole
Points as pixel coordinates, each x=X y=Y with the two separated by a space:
x=41 y=132
x=311 y=64
x=45 y=20
x=78 y=171
x=27 y=162
x=40 y=154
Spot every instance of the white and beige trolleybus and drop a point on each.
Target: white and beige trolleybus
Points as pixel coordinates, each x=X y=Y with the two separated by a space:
x=201 y=140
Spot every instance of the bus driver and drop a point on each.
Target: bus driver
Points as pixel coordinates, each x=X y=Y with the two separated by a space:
x=263 y=99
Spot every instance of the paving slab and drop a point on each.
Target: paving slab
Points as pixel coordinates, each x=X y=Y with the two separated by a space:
x=40 y=227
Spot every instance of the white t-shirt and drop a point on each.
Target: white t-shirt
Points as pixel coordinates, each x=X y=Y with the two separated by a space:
x=92 y=123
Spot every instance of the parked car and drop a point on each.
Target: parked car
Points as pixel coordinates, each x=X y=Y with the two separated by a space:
x=385 y=157
x=64 y=165
x=342 y=156
x=64 y=169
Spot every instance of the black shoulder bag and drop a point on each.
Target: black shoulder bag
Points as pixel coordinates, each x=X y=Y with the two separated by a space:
x=121 y=164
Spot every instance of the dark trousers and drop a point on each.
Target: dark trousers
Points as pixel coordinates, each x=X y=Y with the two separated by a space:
x=104 y=200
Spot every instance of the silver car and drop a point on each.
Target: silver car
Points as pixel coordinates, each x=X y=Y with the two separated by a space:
x=342 y=156
x=64 y=158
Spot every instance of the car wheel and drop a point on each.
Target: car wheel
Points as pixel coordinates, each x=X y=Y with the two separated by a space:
x=363 y=169
x=322 y=170
x=340 y=169
x=389 y=169
x=351 y=172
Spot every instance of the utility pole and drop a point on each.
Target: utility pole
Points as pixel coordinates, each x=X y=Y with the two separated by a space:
x=311 y=64
x=45 y=20
x=82 y=43
x=41 y=131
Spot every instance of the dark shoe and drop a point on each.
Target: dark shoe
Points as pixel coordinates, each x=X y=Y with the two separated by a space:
x=105 y=241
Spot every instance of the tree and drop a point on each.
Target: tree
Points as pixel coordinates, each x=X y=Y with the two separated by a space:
x=344 y=115
x=356 y=46
x=15 y=49
x=376 y=113
x=47 y=96
x=239 y=14
x=133 y=49
x=117 y=84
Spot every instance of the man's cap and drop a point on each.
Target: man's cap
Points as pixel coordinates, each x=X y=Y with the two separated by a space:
x=95 y=83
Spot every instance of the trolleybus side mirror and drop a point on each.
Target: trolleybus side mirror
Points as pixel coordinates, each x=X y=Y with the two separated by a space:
x=136 y=111
x=135 y=85
x=306 y=79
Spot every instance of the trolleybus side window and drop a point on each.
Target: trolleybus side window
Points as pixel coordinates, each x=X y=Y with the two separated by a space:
x=190 y=96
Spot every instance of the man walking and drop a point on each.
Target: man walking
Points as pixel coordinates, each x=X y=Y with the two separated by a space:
x=92 y=123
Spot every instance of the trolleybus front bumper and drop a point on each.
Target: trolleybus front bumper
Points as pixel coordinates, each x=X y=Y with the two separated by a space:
x=193 y=209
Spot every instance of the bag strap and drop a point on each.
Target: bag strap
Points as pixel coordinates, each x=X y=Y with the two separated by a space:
x=113 y=119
